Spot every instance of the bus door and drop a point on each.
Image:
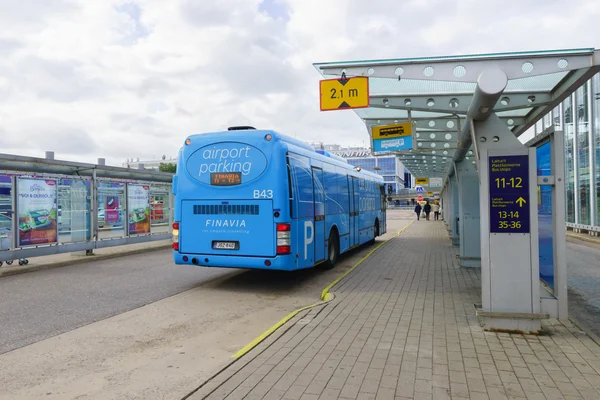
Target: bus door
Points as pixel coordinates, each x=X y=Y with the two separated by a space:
x=319 y=231
x=354 y=211
x=303 y=210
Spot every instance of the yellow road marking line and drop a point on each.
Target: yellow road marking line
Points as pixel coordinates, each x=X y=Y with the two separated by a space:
x=272 y=329
x=325 y=297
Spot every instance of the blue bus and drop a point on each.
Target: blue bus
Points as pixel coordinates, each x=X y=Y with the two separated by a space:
x=247 y=198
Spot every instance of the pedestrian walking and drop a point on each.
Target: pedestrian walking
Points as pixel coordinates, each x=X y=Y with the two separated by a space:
x=418 y=210
x=427 y=209
x=436 y=211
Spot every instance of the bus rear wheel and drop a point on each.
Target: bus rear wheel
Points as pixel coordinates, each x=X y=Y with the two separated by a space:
x=375 y=232
x=333 y=251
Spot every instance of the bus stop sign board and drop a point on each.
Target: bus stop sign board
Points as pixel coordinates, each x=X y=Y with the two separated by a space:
x=509 y=194
x=344 y=93
x=392 y=137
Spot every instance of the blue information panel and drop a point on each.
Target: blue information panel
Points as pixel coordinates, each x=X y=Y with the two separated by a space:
x=395 y=144
x=509 y=194
x=545 y=221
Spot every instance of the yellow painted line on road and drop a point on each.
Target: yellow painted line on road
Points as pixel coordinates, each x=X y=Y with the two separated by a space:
x=272 y=329
x=325 y=297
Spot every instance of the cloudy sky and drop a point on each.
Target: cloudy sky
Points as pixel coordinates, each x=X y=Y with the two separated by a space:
x=122 y=79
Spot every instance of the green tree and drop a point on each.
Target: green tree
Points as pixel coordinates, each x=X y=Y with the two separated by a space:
x=167 y=167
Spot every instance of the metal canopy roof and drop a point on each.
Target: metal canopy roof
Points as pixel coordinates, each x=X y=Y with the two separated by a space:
x=440 y=94
x=9 y=162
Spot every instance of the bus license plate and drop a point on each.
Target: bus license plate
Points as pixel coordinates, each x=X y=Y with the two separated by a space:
x=225 y=245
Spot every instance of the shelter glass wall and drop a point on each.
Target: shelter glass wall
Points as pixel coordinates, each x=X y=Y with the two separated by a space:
x=111 y=209
x=43 y=214
x=557 y=118
x=73 y=214
x=578 y=116
x=583 y=154
x=5 y=212
x=160 y=209
x=596 y=140
x=569 y=159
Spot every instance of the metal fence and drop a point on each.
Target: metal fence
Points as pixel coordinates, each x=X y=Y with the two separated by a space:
x=50 y=207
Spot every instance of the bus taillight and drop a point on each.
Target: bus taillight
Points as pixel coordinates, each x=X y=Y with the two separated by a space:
x=283 y=227
x=283 y=239
x=176 y=236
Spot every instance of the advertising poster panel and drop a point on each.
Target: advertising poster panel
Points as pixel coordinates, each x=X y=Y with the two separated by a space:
x=36 y=207
x=112 y=209
x=138 y=213
x=545 y=221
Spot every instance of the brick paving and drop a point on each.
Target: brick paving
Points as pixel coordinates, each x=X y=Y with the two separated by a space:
x=403 y=326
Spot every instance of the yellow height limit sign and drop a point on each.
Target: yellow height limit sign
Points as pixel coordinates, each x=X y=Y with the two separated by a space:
x=344 y=93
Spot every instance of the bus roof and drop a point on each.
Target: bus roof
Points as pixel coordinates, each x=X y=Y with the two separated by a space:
x=255 y=134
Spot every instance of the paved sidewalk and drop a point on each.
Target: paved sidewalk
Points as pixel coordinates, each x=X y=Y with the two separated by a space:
x=403 y=326
x=65 y=259
x=584 y=237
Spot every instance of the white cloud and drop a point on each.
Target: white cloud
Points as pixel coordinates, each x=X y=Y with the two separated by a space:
x=120 y=79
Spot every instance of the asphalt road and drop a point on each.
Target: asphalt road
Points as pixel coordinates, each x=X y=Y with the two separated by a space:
x=583 y=268
x=39 y=305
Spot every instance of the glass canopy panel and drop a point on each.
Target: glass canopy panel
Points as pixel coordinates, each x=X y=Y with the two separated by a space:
x=391 y=87
x=389 y=113
x=536 y=80
x=517 y=54
x=522 y=112
x=544 y=83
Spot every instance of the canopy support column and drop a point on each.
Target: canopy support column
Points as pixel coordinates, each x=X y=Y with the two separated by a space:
x=469 y=219
x=509 y=231
x=453 y=220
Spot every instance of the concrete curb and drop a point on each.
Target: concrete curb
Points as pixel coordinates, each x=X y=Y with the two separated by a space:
x=575 y=236
x=8 y=271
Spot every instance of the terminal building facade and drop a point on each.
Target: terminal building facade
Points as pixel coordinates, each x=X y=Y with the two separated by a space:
x=578 y=117
x=395 y=175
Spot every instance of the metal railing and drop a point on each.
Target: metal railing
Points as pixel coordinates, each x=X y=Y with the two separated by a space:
x=49 y=206
x=591 y=229
x=400 y=207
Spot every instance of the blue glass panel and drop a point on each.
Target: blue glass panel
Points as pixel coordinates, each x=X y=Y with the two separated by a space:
x=546 y=235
